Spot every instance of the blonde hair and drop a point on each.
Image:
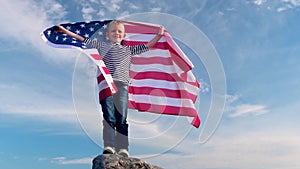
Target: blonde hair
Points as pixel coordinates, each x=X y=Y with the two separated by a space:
x=115 y=22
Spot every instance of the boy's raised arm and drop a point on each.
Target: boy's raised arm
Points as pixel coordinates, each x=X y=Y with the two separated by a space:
x=61 y=29
x=156 y=38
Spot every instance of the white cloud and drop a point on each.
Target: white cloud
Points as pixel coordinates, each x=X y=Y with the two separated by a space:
x=157 y=9
x=245 y=109
x=292 y=2
x=65 y=161
x=112 y=6
x=284 y=8
x=88 y=9
x=259 y=2
x=119 y=8
x=101 y=13
x=27 y=102
x=133 y=6
x=94 y=1
x=241 y=109
x=19 y=24
x=23 y=21
x=52 y=9
x=204 y=86
x=288 y=4
x=102 y=9
x=41 y=158
x=87 y=13
x=280 y=6
x=232 y=98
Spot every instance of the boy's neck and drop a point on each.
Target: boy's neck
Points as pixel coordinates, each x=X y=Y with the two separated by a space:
x=118 y=43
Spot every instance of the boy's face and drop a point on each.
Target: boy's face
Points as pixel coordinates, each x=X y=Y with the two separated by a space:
x=116 y=33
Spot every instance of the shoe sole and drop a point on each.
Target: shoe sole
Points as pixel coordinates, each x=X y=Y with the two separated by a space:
x=108 y=151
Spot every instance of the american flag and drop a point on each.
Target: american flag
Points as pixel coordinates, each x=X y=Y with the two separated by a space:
x=161 y=79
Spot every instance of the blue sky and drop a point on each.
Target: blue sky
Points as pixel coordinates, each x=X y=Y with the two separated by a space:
x=257 y=42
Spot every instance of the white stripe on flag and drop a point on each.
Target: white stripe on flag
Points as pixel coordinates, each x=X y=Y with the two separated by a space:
x=153 y=67
x=142 y=37
x=155 y=52
x=101 y=66
x=161 y=100
x=162 y=84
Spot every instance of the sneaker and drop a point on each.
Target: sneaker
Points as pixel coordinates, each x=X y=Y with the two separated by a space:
x=123 y=152
x=109 y=150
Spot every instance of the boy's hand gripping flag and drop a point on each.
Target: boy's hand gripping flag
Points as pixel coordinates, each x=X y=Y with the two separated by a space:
x=161 y=79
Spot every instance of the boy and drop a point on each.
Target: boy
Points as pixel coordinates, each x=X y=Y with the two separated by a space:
x=117 y=59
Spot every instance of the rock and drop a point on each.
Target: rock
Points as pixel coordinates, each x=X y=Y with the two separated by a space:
x=111 y=161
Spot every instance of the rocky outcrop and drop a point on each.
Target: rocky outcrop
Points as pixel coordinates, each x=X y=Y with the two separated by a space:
x=107 y=161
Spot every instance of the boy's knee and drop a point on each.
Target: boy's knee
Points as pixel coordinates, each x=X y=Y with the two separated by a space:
x=109 y=124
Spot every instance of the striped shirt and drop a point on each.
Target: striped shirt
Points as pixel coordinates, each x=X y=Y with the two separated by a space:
x=117 y=58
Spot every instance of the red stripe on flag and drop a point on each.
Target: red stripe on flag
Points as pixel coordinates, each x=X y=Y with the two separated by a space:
x=141 y=29
x=106 y=71
x=196 y=121
x=165 y=46
x=96 y=56
x=195 y=83
x=157 y=45
x=162 y=92
x=165 y=109
x=100 y=78
x=172 y=77
x=178 y=59
x=154 y=75
x=104 y=93
x=151 y=60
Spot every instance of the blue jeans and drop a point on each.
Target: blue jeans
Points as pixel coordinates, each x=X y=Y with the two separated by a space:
x=115 y=127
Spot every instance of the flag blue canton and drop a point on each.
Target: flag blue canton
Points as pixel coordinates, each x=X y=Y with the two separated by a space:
x=88 y=30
